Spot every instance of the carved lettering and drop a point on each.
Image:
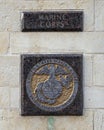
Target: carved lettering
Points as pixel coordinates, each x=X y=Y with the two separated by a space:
x=56 y=21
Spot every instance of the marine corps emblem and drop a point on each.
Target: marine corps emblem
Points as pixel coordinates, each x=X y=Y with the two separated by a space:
x=51 y=85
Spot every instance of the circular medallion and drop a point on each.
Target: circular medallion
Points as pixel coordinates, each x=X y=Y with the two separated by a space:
x=52 y=85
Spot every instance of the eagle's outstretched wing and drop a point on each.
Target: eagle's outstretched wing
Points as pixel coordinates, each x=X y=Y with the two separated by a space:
x=60 y=71
x=44 y=70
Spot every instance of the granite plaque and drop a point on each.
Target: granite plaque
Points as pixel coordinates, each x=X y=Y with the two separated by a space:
x=52 y=21
x=51 y=84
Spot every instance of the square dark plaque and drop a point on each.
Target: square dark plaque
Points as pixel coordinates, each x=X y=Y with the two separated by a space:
x=52 y=21
x=51 y=84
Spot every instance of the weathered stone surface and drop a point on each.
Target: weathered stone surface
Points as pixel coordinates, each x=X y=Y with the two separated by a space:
x=16 y=122
x=99 y=120
x=13 y=113
x=87 y=42
x=4 y=122
x=87 y=68
x=26 y=123
x=4 y=42
x=93 y=97
x=98 y=70
x=10 y=14
x=4 y=97
x=1 y=114
x=4 y=125
x=75 y=123
x=1 y=1
x=14 y=98
x=99 y=15
x=4 y=114
x=41 y=123
x=9 y=71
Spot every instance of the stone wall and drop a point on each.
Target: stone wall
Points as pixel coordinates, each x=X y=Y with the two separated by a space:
x=13 y=42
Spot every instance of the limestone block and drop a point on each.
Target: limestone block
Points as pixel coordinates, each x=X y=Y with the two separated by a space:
x=41 y=123
x=99 y=120
x=55 y=42
x=99 y=15
x=3 y=114
x=4 y=42
x=9 y=71
x=28 y=123
x=98 y=70
x=75 y=123
x=93 y=97
x=4 y=97
x=10 y=14
x=4 y=120
x=17 y=124
x=14 y=113
x=14 y=98
x=1 y=1
x=87 y=70
x=4 y=125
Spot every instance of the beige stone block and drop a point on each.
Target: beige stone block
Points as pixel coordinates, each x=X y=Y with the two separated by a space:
x=93 y=97
x=4 y=97
x=4 y=42
x=8 y=1
x=17 y=123
x=1 y=114
x=99 y=15
x=14 y=113
x=14 y=98
x=4 y=114
x=28 y=123
x=1 y=1
x=98 y=70
x=4 y=125
x=10 y=12
x=9 y=71
x=40 y=123
x=87 y=69
x=55 y=42
x=99 y=120
x=84 y=122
